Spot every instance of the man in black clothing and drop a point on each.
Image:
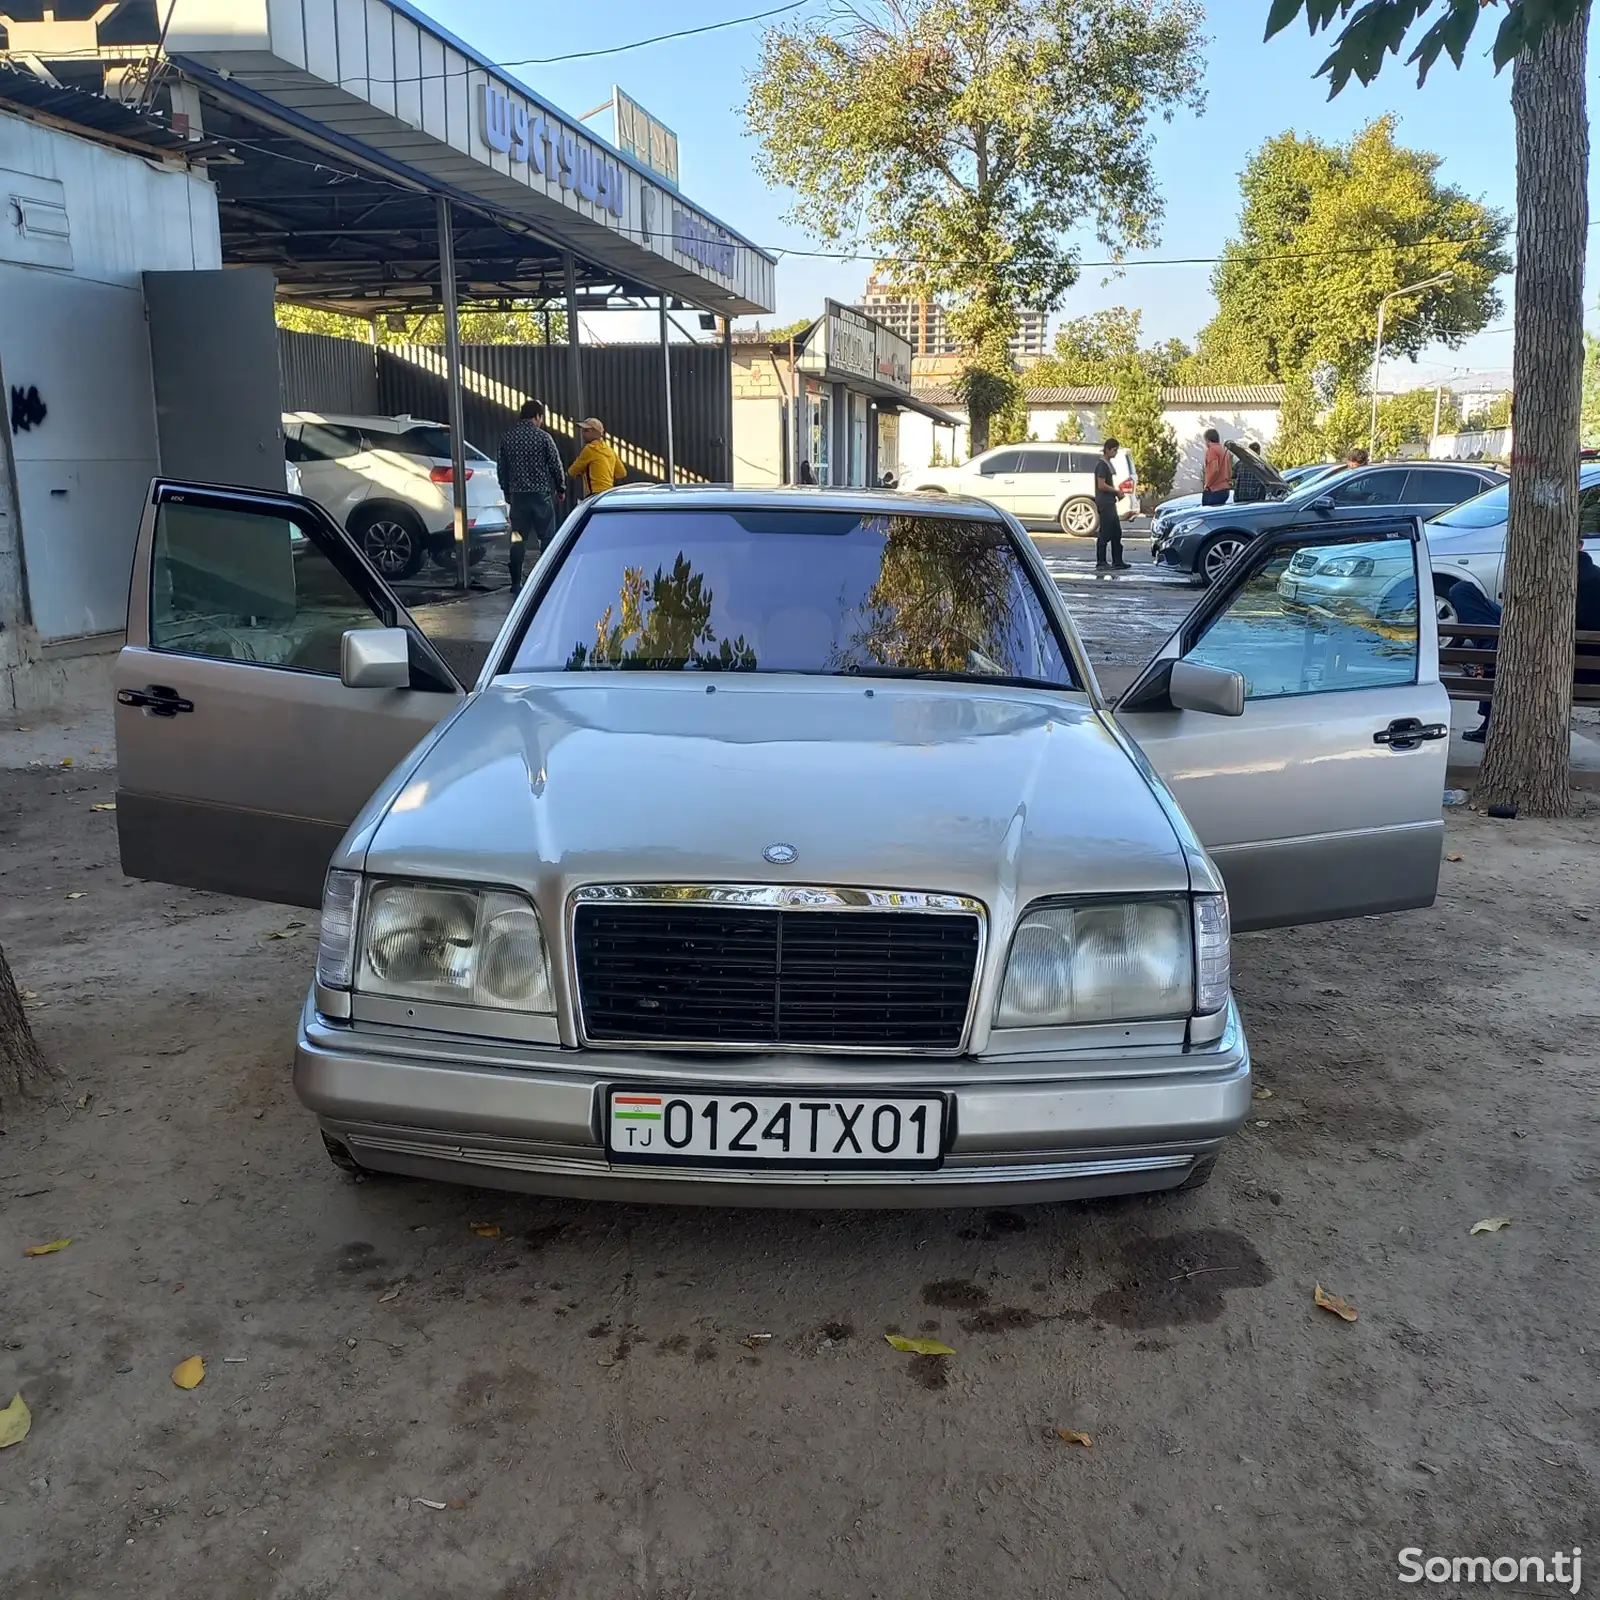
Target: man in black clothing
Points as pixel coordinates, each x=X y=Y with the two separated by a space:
x=532 y=480
x=1109 y=538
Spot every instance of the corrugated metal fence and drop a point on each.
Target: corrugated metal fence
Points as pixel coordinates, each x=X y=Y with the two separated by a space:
x=623 y=385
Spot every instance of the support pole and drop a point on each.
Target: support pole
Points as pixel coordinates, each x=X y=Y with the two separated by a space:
x=574 y=359
x=458 y=426
x=666 y=377
x=727 y=357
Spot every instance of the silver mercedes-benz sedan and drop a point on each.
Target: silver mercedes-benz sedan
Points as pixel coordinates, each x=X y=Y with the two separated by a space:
x=786 y=850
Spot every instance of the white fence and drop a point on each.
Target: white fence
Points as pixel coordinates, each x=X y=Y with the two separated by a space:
x=1488 y=444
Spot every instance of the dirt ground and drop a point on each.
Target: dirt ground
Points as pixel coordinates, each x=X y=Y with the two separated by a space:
x=396 y=1405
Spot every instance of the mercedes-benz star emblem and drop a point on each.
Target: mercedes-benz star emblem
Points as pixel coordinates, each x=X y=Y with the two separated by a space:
x=780 y=855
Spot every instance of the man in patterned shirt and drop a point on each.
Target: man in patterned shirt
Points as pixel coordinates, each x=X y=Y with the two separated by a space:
x=532 y=480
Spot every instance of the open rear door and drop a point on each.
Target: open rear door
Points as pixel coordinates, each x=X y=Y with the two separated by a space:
x=243 y=753
x=1323 y=797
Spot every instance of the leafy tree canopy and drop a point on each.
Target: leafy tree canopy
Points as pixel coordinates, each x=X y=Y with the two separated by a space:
x=961 y=141
x=1098 y=348
x=523 y=324
x=1379 y=27
x=1327 y=230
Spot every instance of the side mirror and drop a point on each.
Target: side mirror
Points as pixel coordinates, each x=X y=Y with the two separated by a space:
x=375 y=658
x=1193 y=687
x=1324 y=503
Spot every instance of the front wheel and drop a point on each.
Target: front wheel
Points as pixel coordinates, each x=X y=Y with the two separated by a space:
x=1443 y=607
x=1080 y=517
x=393 y=542
x=1219 y=554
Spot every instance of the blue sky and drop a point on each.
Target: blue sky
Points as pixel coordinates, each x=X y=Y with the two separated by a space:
x=1254 y=90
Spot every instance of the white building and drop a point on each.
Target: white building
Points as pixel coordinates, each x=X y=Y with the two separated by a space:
x=1236 y=411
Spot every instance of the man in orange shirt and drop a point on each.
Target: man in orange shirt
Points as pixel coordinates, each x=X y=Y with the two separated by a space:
x=1218 y=479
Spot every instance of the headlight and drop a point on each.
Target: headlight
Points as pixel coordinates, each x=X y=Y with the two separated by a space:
x=453 y=946
x=1346 y=567
x=1189 y=525
x=1100 y=962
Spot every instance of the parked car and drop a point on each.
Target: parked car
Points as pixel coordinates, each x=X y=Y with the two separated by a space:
x=1376 y=580
x=999 y=902
x=388 y=480
x=1208 y=538
x=1040 y=485
x=1170 y=511
x=1469 y=541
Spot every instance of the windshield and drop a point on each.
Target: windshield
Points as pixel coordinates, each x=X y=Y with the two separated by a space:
x=830 y=592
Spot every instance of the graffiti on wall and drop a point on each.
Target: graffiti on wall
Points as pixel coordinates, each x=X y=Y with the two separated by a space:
x=27 y=409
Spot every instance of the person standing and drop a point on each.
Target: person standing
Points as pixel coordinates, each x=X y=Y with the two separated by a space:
x=1249 y=485
x=1217 y=480
x=1109 y=539
x=532 y=480
x=597 y=466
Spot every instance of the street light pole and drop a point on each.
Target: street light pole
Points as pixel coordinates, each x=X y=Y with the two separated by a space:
x=1377 y=345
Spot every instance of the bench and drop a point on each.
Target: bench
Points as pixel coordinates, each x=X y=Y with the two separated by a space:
x=1466 y=669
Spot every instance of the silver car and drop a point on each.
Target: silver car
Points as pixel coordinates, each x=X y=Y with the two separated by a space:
x=786 y=850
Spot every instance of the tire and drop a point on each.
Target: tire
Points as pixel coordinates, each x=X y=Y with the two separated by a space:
x=1443 y=610
x=340 y=1156
x=1079 y=517
x=1218 y=553
x=393 y=540
x=443 y=556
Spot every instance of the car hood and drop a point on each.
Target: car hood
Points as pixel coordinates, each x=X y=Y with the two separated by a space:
x=556 y=781
x=1253 y=514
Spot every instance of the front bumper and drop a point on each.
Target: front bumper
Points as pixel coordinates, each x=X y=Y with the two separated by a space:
x=528 y=1117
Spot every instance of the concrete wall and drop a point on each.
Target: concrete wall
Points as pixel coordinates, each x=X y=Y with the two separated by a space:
x=759 y=387
x=72 y=332
x=1190 y=423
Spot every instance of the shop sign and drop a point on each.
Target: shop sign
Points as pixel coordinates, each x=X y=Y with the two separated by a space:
x=703 y=242
x=531 y=136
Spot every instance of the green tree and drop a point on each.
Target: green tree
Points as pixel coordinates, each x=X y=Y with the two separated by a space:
x=1135 y=420
x=1096 y=349
x=1299 y=440
x=1497 y=414
x=1012 y=424
x=1591 y=390
x=1407 y=419
x=522 y=324
x=1325 y=232
x=1069 y=430
x=1346 y=423
x=1527 y=759
x=962 y=141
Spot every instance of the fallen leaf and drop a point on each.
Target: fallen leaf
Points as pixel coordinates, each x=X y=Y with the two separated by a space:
x=103 y=805
x=1072 y=1436
x=919 y=1347
x=187 y=1374
x=77 y=894
x=754 y=1341
x=432 y=1505
x=1262 y=1094
x=293 y=923
x=15 y=1420
x=1452 y=856
x=393 y=1294
x=1331 y=1302
x=85 y=1101
x=47 y=1249
x=66 y=761
x=486 y=1230
x=458 y=1505
x=1491 y=1225
x=285 y=933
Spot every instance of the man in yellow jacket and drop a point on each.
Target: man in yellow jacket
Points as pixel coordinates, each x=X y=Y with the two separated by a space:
x=597 y=466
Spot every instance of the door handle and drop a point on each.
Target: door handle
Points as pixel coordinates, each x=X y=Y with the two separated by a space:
x=158 y=700
x=1409 y=733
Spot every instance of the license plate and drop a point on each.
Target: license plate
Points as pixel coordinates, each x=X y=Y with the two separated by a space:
x=676 y=1126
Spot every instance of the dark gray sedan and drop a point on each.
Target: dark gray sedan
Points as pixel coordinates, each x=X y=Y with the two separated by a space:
x=1208 y=538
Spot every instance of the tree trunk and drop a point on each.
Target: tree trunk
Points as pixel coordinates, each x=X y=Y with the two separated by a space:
x=22 y=1065
x=1526 y=763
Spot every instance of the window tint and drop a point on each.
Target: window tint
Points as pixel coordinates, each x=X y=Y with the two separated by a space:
x=1589 y=513
x=420 y=444
x=328 y=441
x=1081 y=461
x=1483 y=511
x=826 y=592
x=1321 y=618
x=1424 y=488
x=1371 y=488
x=248 y=586
x=1005 y=462
x=1040 y=461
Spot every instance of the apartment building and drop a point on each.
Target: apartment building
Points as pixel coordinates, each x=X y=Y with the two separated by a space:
x=927 y=325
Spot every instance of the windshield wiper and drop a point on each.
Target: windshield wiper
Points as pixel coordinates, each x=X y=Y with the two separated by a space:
x=950 y=675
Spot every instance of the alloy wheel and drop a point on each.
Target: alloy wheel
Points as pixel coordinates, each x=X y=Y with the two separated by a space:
x=1220 y=555
x=1443 y=609
x=1080 y=517
x=390 y=547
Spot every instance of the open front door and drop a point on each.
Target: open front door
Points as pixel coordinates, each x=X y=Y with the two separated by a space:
x=1323 y=798
x=245 y=746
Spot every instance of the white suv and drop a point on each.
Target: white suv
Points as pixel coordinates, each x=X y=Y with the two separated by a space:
x=388 y=480
x=1039 y=484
